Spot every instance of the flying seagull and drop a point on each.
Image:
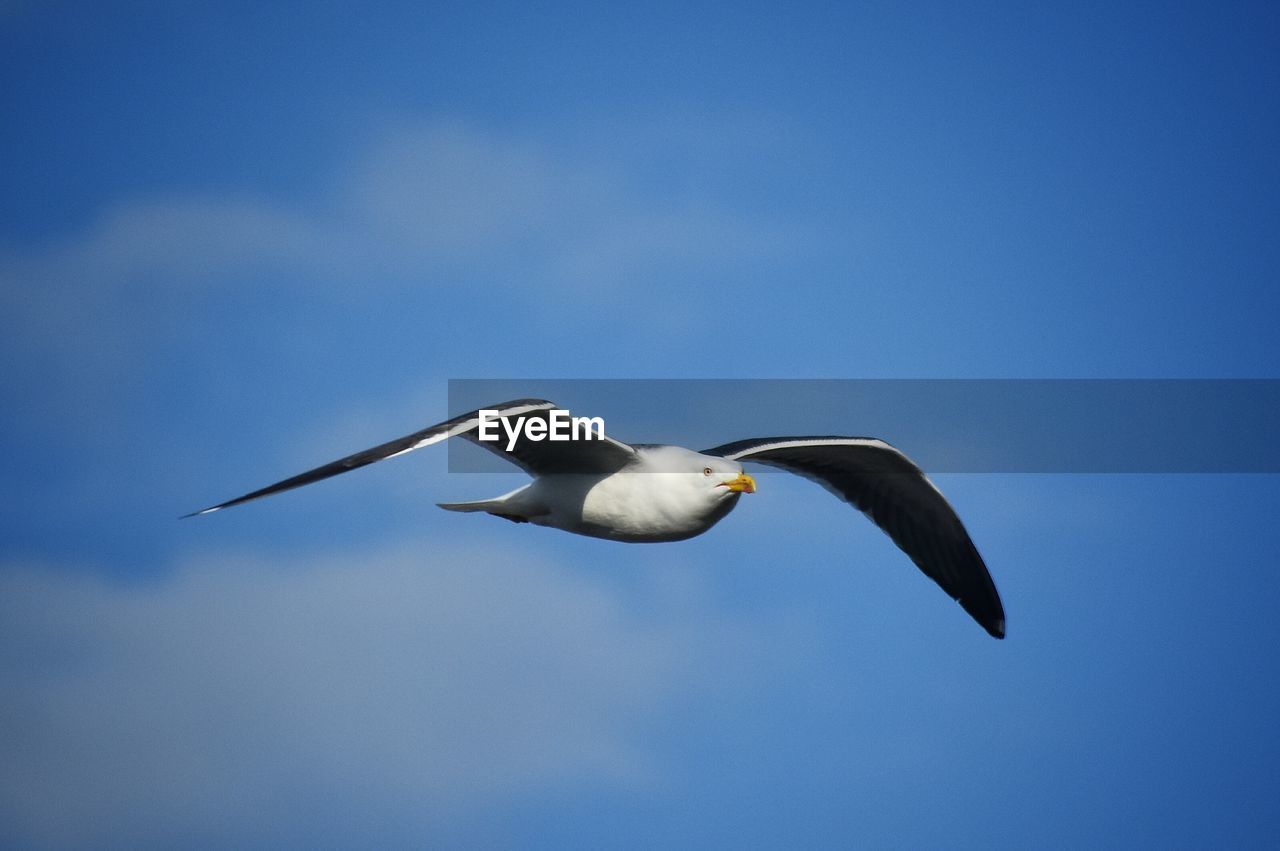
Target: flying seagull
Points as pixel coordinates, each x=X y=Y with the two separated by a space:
x=604 y=488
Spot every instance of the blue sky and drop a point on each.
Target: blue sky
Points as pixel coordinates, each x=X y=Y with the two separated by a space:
x=241 y=240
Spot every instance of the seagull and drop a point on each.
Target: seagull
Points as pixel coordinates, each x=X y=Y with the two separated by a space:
x=641 y=493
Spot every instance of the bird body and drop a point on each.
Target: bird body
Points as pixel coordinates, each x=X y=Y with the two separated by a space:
x=667 y=493
x=647 y=493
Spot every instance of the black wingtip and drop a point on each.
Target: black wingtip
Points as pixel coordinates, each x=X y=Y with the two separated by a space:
x=997 y=629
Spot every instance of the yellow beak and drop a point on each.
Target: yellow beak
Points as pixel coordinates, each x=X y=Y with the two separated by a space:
x=742 y=483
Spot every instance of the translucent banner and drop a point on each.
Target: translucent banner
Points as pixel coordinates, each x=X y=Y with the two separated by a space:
x=945 y=425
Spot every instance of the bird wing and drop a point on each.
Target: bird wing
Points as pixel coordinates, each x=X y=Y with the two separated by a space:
x=884 y=484
x=603 y=455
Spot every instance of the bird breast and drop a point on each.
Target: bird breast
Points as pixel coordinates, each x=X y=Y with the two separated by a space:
x=640 y=507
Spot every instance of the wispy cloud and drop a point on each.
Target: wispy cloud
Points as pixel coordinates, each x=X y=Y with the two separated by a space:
x=415 y=683
x=417 y=200
x=438 y=207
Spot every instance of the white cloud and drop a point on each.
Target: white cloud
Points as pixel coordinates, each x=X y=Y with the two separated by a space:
x=446 y=190
x=424 y=208
x=412 y=685
x=419 y=200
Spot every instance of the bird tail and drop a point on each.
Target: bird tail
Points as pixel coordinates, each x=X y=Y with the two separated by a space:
x=510 y=506
x=479 y=505
x=497 y=507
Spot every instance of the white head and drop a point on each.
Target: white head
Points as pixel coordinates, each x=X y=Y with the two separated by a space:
x=714 y=478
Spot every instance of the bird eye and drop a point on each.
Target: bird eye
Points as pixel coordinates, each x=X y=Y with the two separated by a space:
x=706 y=471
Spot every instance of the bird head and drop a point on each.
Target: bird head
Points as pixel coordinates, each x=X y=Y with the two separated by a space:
x=712 y=478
